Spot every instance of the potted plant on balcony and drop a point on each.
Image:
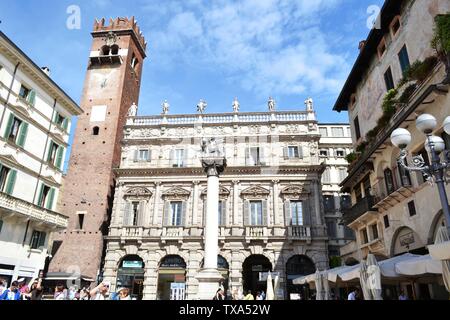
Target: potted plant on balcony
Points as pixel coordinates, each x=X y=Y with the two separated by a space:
x=441 y=42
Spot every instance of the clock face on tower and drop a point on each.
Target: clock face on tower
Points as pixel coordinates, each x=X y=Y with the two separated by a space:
x=102 y=78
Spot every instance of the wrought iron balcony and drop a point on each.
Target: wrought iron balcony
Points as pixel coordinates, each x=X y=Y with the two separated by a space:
x=362 y=206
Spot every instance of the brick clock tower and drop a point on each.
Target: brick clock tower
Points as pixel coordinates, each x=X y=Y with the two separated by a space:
x=111 y=86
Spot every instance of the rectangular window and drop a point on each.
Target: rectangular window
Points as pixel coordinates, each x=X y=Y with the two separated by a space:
x=381 y=48
x=297 y=213
x=44 y=195
x=256 y=214
x=337 y=132
x=144 y=155
x=176 y=212
x=395 y=25
x=14 y=132
x=323 y=132
x=24 y=92
x=388 y=79
x=403 y=58
x=386 y=221
x=37 y=239
x=331 y=227
x=3 y=177
x=179 y=158
x=52 y=152
x=340 y=153
x=80 y=221
x=364 y=236
x=357 y=129
x=134 y=213
x=342 y=174
x=329 y=204
x=221 y=207
x=346 y=202
x=412 y=208
x=253 y=156
x=326 y=178
x=374 y=229
x=293 y=152
x=349 y=233
x=323 y=153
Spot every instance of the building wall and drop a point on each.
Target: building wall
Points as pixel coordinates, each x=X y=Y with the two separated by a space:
x=21 y=214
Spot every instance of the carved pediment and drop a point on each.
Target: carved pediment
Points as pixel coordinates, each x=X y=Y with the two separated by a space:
x=8 y=158
x=294 y=191
x=138 y=192
x=222 y=191
x=255 y=191
x=176 y=192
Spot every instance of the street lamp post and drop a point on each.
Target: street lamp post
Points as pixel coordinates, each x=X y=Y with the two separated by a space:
x=435 y=146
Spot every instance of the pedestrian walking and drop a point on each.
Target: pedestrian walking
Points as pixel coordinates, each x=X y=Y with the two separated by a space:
x=12 y=293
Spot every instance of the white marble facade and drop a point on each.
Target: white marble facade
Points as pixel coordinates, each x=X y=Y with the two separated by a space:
x=273 y=164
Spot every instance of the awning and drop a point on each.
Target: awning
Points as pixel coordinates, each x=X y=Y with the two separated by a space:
x=440 y=251
x=66 y=276
x=305 y=279
x=418 y=266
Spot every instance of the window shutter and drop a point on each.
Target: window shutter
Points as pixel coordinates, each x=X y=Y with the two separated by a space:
x=247 y=156
x=31 y=98
x=149 y=159
x=141 y=214
x=9 y=126
x=246 y=213
x=59 y=157
x=224 y=213
x=55 y=116
x=11 y=182
x=49 y=153
x=300 y=152
x=166 y=213
x=265 y=212
x=183 y=213
x=306 y=212
x=41 y=190
x=22 y=134
x=262 y=156
x=65 y=124
x=172 y=157
x=51 y=197
x=136 y=155
x=127 y=214
x=287 y=213
x=42 y=239
x=286 y=152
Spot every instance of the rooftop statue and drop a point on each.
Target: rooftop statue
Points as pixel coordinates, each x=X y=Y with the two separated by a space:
x=201 y=106
x=309 y=104
x=236 y=105
x=132 y=112
x=271 y=104
x=165 y=107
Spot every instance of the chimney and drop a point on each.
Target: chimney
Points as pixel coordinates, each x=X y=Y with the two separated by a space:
x=361 y=45
x=46 y=71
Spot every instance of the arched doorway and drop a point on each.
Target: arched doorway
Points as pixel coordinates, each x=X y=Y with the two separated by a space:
x=171 y=278
x=297 y=266
x=251 y=268
x=131 y=275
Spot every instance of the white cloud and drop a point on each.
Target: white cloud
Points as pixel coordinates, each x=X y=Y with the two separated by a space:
x=267 y=46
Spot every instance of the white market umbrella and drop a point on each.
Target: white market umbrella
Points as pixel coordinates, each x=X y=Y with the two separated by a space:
x=270 y=294
x=373 y=277
x=363 y=279
x=442 y=237
x=419 y=266
x=275 y=286
x=319 y=288
x=305 y=279
x=326 y=286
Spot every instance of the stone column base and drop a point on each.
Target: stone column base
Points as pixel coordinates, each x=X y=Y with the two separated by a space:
x=208 y=283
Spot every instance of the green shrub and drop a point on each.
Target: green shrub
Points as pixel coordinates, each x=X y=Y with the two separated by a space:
x=351 y=157
x=407 y=93
x=441 y=38
x=361 y=147
x=420 y=70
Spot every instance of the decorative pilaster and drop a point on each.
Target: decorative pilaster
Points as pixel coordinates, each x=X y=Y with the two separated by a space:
x=156 y=203
x=317 y=206
x=195 y=203
x=235 y=202
x=275 y=202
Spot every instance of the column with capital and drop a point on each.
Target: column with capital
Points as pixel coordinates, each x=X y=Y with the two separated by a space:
x=235 y=202
x=156 y=203
x=209 y=278
x=316 y=191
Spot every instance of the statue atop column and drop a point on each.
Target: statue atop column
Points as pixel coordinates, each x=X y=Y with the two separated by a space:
x=309 y=104
x=132 y=112
x=165 y=107
x=201 y=106
x=236 y=105
x=271 y=104
x=212 y=156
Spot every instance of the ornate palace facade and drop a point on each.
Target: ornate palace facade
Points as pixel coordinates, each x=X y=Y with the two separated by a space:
x=270 y=212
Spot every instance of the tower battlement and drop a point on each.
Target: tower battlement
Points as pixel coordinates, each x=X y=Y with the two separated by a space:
x=120 y=24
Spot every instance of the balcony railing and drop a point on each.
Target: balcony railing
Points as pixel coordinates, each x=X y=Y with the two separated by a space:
x=385 y=188
x=299 y=232
x=362 y=206
x=15 y=206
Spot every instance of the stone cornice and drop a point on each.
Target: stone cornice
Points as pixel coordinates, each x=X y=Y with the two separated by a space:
x=198 y=171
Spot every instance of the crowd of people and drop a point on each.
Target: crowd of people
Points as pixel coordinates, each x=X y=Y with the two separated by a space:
x=19 y=290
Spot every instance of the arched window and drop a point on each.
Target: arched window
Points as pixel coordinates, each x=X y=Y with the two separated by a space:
x=105 y=50
x=95 y=131
x=114 y=49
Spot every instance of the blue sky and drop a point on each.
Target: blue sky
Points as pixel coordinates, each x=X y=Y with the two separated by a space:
x=212 y=50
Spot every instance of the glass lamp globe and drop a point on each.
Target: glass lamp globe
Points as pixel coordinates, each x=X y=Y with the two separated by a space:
x=401 y=138
x=446 y=125
x=438 y=142
x=426 y=123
